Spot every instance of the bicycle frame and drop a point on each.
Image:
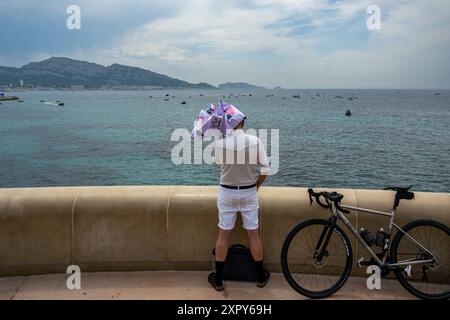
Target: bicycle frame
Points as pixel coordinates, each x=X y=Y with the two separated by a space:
x=381 y=263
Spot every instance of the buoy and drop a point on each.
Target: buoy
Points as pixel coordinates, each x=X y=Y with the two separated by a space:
x=348 y=113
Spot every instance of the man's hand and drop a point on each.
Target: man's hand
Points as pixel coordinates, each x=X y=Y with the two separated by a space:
x=260 y=181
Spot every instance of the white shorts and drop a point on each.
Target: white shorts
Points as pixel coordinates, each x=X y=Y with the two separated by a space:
x=230 y=202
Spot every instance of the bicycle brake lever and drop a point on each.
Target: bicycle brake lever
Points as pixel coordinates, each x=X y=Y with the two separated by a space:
x=310 y=197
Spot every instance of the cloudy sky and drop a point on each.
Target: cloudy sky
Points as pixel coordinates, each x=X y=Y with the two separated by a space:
x=289 y=43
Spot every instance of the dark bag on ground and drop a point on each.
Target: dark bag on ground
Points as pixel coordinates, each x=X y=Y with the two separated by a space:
x=239 y=265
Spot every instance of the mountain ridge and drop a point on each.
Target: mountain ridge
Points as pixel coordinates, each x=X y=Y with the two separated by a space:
x=66 y=72
x=240 y=85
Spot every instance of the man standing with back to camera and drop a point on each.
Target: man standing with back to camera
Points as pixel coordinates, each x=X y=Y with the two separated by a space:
x=244 y=168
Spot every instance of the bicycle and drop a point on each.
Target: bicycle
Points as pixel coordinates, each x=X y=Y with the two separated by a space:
x=317 y=257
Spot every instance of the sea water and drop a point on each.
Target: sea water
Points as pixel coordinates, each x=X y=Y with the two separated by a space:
x=124 y=137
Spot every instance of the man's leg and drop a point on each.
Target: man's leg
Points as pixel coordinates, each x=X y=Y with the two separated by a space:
x=222 y=244
x=221 y=254
x=255 y=244
x=257 y=253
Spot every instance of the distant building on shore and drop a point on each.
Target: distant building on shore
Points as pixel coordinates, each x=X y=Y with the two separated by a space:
x=76 y=87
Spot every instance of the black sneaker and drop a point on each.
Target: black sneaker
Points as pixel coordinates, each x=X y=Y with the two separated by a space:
x=261 y=283
x=217 y=285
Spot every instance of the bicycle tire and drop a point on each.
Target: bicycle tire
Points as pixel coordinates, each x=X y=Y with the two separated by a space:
x=284 y=260
x=400 y=274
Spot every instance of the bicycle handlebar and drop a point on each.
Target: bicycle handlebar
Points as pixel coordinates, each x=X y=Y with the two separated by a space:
x=317 y=196
x=330 y=197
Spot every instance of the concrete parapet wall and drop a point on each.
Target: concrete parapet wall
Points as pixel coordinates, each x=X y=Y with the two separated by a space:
x=44 y=230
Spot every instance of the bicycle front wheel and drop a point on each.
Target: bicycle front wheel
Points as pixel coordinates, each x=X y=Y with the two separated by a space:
x=307 y=271
x=429 y=280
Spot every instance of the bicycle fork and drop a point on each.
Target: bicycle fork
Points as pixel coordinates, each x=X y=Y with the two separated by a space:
x=321 y=248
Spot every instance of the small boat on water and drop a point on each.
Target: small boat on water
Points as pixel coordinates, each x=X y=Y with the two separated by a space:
x=348 y=113
x=183 y=102
x=8 y=98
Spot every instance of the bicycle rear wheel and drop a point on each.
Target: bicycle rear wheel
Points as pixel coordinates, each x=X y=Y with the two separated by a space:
x=305 y=272
x=425 y=281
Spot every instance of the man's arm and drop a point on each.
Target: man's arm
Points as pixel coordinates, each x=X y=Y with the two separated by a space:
x=263 y=163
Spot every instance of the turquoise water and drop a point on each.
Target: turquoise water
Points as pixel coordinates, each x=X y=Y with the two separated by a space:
x=123 y=137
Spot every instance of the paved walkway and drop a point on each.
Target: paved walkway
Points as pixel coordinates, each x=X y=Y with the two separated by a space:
x=175 y=285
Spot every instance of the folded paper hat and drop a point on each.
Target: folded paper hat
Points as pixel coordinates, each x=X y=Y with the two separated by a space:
x=217 y=120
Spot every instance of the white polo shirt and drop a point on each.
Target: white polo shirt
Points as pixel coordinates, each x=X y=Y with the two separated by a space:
x=242 y=158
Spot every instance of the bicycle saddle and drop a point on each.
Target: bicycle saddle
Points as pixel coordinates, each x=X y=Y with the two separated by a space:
x=399 y=188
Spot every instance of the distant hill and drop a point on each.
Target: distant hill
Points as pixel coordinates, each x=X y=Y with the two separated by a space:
x=64 y=72
x=240 y=85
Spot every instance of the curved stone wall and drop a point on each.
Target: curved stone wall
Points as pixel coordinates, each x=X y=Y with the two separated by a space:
x=44 y=230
